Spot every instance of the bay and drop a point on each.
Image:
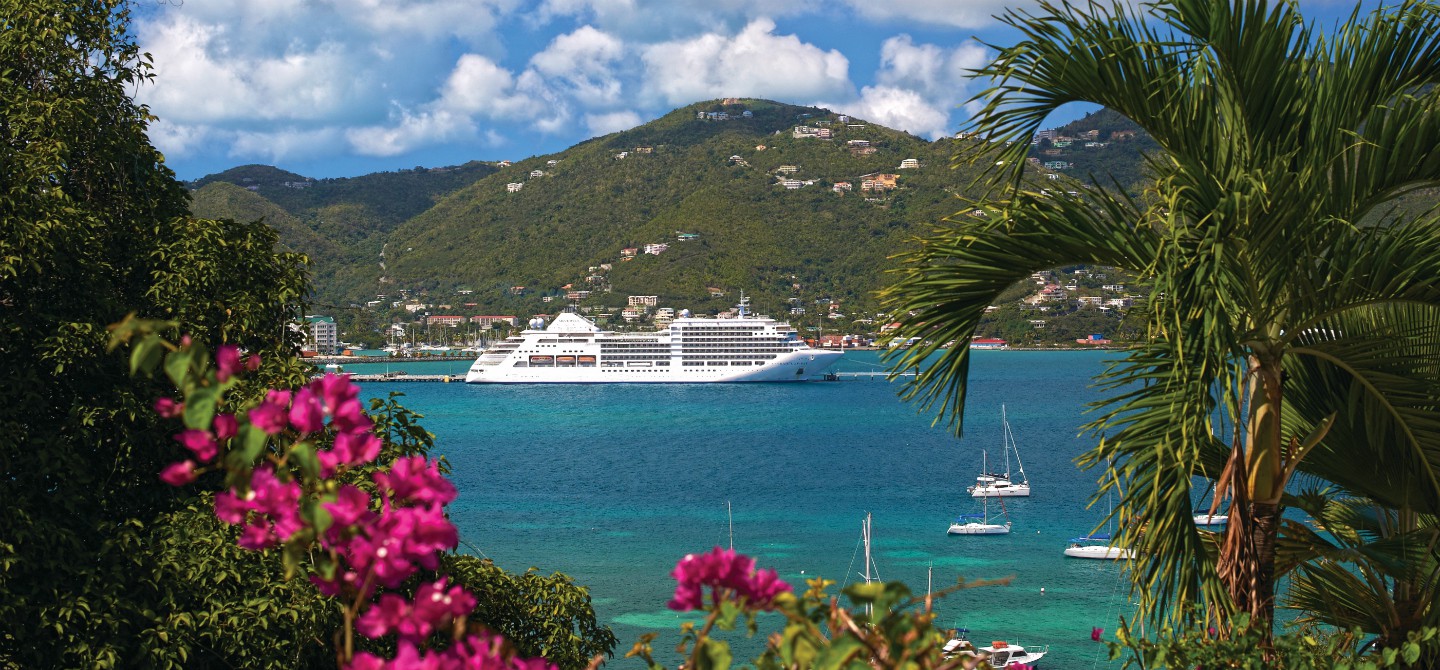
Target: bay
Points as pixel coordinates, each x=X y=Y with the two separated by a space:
x=612 y=484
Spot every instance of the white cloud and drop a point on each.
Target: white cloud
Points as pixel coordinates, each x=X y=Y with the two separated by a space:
x=957 y=13
x=900 y=108
x=660 y=20
x=604 y=124
x=754 y=63
x=177 y=141
x=408 y=131
x=583 y=65
x=284 y=144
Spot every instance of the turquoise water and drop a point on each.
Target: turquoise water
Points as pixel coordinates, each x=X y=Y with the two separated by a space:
x=612 y=484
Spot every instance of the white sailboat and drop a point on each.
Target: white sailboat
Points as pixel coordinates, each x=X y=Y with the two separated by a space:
x=979 y=524
x=1205 y=518
x=990 y=484
x=1098 y=546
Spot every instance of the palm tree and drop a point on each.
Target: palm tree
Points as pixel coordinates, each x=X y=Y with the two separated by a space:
x=1294 y=307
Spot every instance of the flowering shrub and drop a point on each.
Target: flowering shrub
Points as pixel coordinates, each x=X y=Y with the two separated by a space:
x=282 y=460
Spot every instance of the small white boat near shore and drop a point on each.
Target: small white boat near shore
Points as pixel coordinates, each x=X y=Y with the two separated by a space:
x=1096 y=547
x=1000 y=653
x=1211 y=519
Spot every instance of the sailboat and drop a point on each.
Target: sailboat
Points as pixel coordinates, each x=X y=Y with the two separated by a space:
x=979 y=524
x=990 y=484
x=1205 y=518
x=1098 y=546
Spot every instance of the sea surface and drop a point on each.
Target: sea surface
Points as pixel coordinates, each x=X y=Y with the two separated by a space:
x=612 y=484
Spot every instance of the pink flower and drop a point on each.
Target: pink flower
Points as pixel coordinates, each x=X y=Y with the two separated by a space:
x=350 y=418
x=270 y=415
x=415 y=479
x=1019 y=666
x=349 y=449
x=200 y=442
x=178 y=474
x=252 y=362
x=306 y=415
x=168 y=408
x=335 y=390
x=1095 y=633
x=383 y=617
x=227 y=361
x=723 y=569
x=225 y=426
x=231 y=508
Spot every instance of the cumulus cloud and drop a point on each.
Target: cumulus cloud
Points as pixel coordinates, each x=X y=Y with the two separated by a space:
x=604 y=124
x=754 y=63
x=583 y=64
x=966 y=14
x=661 y=20
x=918 y=86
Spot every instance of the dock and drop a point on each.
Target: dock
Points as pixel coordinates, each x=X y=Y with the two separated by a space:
x=394 y=377
x=879 y=375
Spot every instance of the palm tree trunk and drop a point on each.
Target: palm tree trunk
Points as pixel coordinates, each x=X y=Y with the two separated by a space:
x=1247 y=559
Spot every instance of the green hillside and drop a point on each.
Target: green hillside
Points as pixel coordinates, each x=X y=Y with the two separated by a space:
x=754 y=234
x=342 y=224
x=463 y=238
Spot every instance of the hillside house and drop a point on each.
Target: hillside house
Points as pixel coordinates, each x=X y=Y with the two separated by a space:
x=747 y=114
x=628 y=252
x=644 y=150
x=577 y=295
x=1090 y=301
x=787 y=169
x=621 y=155
x=804 y=132
x=858 y=143
x=643 y=300
x=517 y=290
x=841 y=186
x=447 y=320
x=656 y=249
x=909 y=164
x=504 y=164
x=1118 y=288
x=878 y=181
x=715 y=292
x=514 y=186
x=492 y=321
x=631 y=313
x=791 y=184
x=1057 y=165
x=686 y=237
x=537 y=173
x=1122 y=303
x=738 y=160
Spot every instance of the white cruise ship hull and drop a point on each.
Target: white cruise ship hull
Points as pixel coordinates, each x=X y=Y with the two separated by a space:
x=572 y=350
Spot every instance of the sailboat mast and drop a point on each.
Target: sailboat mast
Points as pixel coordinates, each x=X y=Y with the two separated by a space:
x=1005 y=439
x=865 y=533
x=731 y=516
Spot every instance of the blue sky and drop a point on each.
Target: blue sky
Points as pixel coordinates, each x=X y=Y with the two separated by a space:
x=334 y=88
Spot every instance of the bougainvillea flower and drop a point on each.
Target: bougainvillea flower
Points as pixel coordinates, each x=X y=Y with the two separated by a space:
x=351 y=506
x=168 y=408
x=306 y=415
x=225 y=426
x=416 y=479
x=227 y=361
x=271 y=415
x=723 y=569
x=1095 y=633
x=252 y=362
x=349 y=449
x=349 y=417
x=335 y=390
x=178 y=474
x=199 y=442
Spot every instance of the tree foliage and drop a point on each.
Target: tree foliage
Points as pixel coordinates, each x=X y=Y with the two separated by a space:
x=1295 y=324
x=101 y=564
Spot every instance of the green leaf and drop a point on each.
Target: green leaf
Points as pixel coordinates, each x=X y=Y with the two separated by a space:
x=303 y=453
x=200 y=407
x=177 y=366
x=713 y=655
x=146 y=354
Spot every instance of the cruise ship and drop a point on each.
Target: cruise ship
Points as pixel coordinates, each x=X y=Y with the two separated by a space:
x=572 y=349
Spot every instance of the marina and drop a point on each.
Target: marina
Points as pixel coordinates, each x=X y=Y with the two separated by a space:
x=613 y=483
